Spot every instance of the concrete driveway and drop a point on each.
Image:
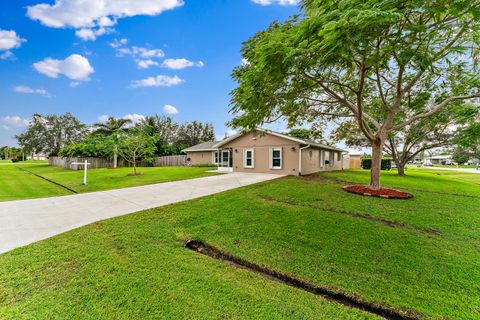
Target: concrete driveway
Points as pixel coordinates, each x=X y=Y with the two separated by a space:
x=27 y=221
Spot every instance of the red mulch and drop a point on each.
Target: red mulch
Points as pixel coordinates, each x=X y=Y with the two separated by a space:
x=382 y=193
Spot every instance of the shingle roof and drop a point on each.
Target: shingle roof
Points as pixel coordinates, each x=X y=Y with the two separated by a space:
x=206 y=146
x=301 y=141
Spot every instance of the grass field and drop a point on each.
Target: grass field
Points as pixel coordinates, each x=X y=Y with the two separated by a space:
x=426 y=258
x=17 y=184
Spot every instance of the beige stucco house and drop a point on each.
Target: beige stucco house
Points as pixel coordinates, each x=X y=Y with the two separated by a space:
x=265 y=151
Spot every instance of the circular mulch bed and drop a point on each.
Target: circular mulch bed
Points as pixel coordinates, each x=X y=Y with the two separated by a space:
x=382 y=193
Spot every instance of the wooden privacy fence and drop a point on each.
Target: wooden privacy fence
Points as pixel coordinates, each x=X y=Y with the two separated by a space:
x=96 y=163
x=171 y=161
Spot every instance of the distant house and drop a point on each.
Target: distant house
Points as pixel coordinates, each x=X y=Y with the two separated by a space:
x=265 y=151
x=438 y=159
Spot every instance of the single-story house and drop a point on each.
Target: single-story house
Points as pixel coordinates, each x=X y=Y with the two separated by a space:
x=263 y=151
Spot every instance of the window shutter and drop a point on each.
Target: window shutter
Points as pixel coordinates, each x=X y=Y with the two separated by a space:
x=281 y=158
x=253 y=158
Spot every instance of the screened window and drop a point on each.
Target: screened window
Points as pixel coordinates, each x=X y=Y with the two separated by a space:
x=248 y=158
x=276 y=158
x=339 y=156
x=332 y=158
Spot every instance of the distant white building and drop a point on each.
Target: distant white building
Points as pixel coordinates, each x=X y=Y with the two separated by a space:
x=438 y=159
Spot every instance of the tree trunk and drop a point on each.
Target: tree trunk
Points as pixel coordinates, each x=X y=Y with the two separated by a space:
x=377 y=147
x=115 y=157
x=134 y=165
x=401 y=168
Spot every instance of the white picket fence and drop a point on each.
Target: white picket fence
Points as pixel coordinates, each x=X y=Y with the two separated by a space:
x=96 y=163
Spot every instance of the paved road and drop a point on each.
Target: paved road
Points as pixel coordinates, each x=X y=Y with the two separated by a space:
x=454 y=169
x=27 y=221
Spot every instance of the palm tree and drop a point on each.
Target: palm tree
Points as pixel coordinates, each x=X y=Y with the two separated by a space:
x=112 y=127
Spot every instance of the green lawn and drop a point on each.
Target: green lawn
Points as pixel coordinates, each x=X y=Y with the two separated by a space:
x=22 y=185
x=426 y=258
x=15 y=184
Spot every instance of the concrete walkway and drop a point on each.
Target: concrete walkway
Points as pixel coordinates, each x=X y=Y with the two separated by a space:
x=27 y=221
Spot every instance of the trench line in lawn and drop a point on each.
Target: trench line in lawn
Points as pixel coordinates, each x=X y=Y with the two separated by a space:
x=46 y=179
x=377 y=308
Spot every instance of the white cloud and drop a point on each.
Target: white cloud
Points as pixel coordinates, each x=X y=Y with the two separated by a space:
x=27 y=89
x=95 y=14
x=74 y=84
x=135 y=118
x=143 y=57
x=16 y=121
x=7 y=55
x=75 y=67
x=169 y=109
x=103 y=118
x=145 y=64
x=9 y=40
x=158 y=81
x=280 y=2
x=177 y=64
x=92 y=34
x=118 y=43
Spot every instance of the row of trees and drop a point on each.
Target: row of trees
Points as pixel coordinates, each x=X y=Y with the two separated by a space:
x=155 y=135
x=15 y=154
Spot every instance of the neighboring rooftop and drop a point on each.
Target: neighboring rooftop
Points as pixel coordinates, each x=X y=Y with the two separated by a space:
x=206 y=146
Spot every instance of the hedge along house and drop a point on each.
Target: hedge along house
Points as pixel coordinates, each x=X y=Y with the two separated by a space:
x=264 y=151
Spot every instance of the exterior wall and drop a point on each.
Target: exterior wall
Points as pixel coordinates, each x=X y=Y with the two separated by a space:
x=200 y=157
x=261 y=144
x=311 y=161
x=355 y=162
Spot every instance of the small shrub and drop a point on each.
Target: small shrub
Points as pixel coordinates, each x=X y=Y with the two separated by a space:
x=385 y=165
x=203 y=165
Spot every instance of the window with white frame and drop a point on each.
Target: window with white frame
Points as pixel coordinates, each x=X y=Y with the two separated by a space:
x=339 y=156
x=248 y=158
x=322 y=158
x=276 y=158
x=216 y=157
x=332 y=158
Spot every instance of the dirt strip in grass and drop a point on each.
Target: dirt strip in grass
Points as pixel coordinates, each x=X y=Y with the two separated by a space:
x=46 y=179
x=377 y=308
x=389 y=223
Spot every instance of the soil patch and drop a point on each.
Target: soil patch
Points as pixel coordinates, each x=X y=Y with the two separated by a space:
x=386 y=193
x=377 y=308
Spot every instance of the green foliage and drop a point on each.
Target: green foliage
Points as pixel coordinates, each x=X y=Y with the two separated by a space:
x=93 y=145
x=50 y=133
x=388 y=65
x=306 y=134
x=386 y=163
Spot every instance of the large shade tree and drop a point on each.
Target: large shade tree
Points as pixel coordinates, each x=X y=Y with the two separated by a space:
x=361 y=60
x=50 y=133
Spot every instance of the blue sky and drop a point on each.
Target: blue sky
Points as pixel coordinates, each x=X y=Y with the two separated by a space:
x=124 y=57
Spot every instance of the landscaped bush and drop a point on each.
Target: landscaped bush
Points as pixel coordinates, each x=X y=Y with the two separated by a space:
x=386 y=163
x=203 y=165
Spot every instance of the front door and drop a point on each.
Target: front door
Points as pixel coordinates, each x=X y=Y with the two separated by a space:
x=226 y=160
